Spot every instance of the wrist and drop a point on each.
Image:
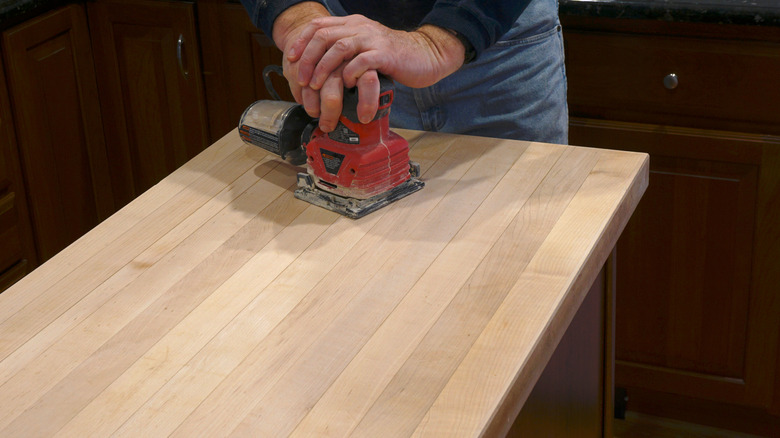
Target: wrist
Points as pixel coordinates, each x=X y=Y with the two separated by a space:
x=446 y=46
x=470 y=53
x=292 y=20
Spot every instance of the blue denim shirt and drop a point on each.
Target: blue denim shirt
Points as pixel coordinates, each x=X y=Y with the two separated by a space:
x=481 y=22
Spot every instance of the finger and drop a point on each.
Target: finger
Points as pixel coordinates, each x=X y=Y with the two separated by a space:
x=362 y=63
x=311 y=101
x=341 y=50
x=320 y=23
x=319 y=43
x=300 y=43
x=289 y=72
x=294 y=52
x=296 y=92
x=331 y=100
x=368 y=96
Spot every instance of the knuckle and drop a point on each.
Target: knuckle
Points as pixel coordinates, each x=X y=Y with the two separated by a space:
x=366 y=109
x=363 y=19
x=310 y=104
x=306 y=58
x=321 y=35
x=343 y=45
x=369 y=79
x=330 y=100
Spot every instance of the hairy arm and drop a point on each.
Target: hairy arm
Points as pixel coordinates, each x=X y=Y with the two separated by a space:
x=357 y=47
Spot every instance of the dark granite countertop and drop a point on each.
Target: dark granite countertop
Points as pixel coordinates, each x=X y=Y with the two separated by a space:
x=742 y=12
x=15 y=11
x=745 y=12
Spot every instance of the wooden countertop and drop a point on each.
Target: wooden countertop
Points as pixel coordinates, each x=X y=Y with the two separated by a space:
x=216 y=303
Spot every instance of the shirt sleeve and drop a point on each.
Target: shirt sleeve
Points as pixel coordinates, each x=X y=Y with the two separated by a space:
x=481 y=22
x=264 y=12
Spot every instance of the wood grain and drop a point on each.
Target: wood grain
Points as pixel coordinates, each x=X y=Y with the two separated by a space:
x=218 y=304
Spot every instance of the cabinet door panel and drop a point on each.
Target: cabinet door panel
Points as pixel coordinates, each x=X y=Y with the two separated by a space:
x=143 y=66
x=688 y=309
x=17 y=252
x=691 y=317
x=148 y=69
x=57 y=116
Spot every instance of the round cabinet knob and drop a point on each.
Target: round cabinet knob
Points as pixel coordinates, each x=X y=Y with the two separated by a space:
x=670 y=81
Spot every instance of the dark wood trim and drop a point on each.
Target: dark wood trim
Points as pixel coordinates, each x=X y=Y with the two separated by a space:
x=729 y=416
x=610 y=293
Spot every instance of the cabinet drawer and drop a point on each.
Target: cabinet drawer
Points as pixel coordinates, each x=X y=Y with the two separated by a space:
x=716 y=79
x=11 y=249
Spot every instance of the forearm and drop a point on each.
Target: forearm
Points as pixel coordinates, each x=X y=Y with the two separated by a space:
x=446 y=47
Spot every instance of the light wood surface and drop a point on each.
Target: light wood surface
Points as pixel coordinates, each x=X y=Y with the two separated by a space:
x=218 y=304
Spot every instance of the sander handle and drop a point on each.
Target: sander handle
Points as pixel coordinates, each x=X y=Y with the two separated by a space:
x=267 y=79
x=350 y=101
x=350 y=94
x=386 y=91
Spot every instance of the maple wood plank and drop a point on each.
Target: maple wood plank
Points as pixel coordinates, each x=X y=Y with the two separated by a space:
x=218 y=304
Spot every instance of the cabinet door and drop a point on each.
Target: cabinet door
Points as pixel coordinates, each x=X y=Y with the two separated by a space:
x=17 y=252
x=56 y=112
x=146 y=58
x=697 y=309
x=235 y=53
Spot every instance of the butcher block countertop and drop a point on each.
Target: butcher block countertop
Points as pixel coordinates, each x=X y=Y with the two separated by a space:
x=218 y=304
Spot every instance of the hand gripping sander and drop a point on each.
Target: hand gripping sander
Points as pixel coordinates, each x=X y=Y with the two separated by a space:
x=353 y=170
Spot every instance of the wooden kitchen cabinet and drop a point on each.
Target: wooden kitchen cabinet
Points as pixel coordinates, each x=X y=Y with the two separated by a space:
x=235 y=53
x=17 y=253
x=88 y=143
x=698 y=314
x=57 y=119
x=149 y=77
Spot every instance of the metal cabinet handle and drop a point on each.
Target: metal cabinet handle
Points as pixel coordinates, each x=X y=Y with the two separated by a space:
x=180 y=56
x=671 y=81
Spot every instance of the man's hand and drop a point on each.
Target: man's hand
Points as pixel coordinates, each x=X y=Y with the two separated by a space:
x=324 y=102
x=357 y=47
x=287 y=27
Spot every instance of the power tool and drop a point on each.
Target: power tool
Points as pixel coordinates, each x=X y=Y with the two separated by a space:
x=353 y=170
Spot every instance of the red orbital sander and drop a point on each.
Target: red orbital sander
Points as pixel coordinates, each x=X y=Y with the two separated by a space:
x=353 y=170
